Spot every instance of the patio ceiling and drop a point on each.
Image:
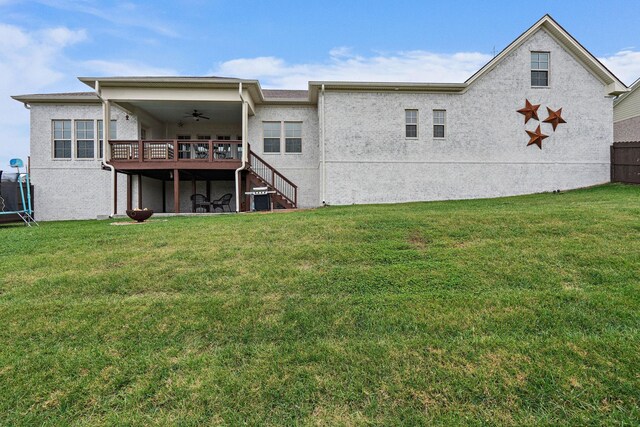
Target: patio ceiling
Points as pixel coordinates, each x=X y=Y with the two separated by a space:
x=173 y=111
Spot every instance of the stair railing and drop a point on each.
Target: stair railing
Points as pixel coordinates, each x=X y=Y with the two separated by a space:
x=274 y=179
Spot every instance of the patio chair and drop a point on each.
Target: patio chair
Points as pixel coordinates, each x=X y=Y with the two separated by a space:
x=222 y=202
x=200 y=201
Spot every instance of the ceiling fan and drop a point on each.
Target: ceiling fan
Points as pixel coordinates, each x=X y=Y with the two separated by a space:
x=196 y=115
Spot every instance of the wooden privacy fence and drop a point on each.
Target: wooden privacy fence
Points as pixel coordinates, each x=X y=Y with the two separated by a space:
x=625 y=162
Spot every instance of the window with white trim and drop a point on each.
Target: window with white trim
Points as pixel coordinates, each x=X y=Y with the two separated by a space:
x=540 y=69
x=439 y=117
x=271 y=137
x=112 y=134
x=293 y=137
x=85 y=139
x=411 y=123
x=61 y=139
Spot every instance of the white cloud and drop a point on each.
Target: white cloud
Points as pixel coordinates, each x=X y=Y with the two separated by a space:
x=624 y=64
x=125 y=14
x=409 y=66
x=342 y=64
x=29 y=62
x=37 y=61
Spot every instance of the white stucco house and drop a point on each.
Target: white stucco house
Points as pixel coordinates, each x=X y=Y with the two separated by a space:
x=537 y=117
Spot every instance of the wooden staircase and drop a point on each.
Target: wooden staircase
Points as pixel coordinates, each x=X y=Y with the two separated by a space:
x=262 y=174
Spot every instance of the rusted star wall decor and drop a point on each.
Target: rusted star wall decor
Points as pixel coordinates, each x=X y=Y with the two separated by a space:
x=529 y=111
x=555 y=118
x=536 y=137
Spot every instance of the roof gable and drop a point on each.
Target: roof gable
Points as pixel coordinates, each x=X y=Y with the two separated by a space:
x=613 y=85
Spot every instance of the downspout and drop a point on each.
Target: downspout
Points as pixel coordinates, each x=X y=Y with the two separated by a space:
x=323 y=172
x=28 y=107
x=106 y=134
x=244 y=148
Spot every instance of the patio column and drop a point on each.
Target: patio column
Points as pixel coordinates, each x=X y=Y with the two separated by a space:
x=164 y=196
x=106 y=150
x=193 y=191
x=139 y=191
x=129 y=191
x=176 y=191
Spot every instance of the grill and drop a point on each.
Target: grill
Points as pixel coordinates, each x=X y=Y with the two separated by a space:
x=260 y=198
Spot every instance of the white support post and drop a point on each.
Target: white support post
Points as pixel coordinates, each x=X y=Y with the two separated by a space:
x=106 y=153
x=106 y=129
x=245 y=131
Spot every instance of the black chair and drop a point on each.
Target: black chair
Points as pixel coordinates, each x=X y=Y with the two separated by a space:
x=222 y=202
x=200 y=201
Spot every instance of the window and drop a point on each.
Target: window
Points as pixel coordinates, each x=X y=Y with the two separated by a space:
x=438 y=123
x=540 y=69
x=112 y=133
x=411 y=123
x=223 y=137
x=204 y=137
x=271 y=134
x=85 y=139
x=293 y=137
x=62 y=139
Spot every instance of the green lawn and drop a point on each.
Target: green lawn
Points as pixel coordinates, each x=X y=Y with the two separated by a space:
x=522 y=310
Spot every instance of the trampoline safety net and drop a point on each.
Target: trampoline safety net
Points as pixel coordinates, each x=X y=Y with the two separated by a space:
x=15 y=198
x=10 y=200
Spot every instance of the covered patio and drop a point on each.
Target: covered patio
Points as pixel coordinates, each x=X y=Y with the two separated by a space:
x=186 y=136
x=173 y=190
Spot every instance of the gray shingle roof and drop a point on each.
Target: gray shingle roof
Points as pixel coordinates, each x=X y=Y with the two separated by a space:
x=61 y=94
x=285 y=94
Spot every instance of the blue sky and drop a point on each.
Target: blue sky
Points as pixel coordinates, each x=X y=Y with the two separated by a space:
x=46 y=44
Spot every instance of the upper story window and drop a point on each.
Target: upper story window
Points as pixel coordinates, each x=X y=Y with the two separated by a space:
x=293 y=137
x=85 y=139
x=112 y=133
x=411 y=123
x=540 y=69
x=62 y=139
x=439 y=118
x=271 y=137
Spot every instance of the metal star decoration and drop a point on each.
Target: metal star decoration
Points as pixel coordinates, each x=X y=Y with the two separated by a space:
x=536 y=137
x=555 y=118
x=529 y=111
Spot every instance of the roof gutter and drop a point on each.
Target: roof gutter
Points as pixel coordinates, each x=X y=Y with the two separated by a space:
x=323 y=171
x=106 y=135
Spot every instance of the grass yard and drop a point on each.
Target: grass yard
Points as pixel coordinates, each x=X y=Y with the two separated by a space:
x=513 y=311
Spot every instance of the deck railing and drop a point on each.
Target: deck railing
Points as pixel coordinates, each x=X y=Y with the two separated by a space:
x=175 y=150
x=273 y=178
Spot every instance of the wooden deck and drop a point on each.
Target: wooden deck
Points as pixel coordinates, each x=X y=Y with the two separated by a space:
x=175 y=154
